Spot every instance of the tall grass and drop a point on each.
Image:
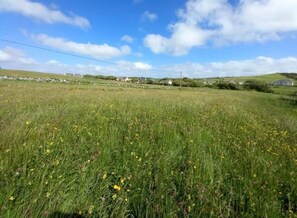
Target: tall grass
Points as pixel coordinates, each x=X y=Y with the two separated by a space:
x=100 y=152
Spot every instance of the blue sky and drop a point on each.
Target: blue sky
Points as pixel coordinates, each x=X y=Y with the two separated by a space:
x=201 y=38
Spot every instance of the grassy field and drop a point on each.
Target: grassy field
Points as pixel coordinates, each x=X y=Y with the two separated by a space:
x=99 y=151
x=268 y=78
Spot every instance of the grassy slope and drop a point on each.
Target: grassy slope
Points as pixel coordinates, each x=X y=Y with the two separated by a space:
x=22 y=73
x=197 y=153
x=268 y=78
x=265 y=78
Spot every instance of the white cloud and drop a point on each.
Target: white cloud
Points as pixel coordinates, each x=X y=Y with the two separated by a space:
x=219 y=23
x=142 y=66
x=149 y=16
x=127 y=38
x=40 y=12
x=4 y=56
x=97 y=51
x=10 y=55
x=12 y=58
x=256 y=66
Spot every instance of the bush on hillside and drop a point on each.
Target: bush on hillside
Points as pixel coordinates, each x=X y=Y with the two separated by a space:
x=257 y=85
x=227 y=85
x=186 y=82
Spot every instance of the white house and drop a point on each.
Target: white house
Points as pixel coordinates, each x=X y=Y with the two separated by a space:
x=124 y=79
x=284 y=82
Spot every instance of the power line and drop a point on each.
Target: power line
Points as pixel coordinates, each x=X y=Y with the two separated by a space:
x=73 y=55
x=59 y=52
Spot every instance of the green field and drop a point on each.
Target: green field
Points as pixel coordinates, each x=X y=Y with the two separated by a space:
x=108 y=151
x=268 y=78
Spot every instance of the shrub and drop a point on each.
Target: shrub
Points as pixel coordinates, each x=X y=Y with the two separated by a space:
x=227 y=85
x=257 y=85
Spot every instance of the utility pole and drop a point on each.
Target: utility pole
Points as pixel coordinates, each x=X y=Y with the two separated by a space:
x=181 y=75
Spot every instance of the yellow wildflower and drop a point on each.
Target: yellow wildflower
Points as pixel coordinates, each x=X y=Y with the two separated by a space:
x=11 y=198
x=104 y=176
x=116 y=187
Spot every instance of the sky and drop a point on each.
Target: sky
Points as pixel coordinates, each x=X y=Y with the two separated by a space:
x=150 y=38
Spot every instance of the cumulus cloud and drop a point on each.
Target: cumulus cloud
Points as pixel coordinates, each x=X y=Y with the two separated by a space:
x=127 y=38
x=149 y=16
x=218 y=22
x=103 y=51
x=40 y=12
x=9 y=55
x=256 y=66
x=142 y=66
x=12 y=58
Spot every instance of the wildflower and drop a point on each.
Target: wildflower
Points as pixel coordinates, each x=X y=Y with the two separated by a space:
x=122 y=181
x=27 y=122
x=91 y=208
x=104 y=176
x=57 y=162
x=116 y=187
x=48 y=195
x=48 y=151
x=11 y=198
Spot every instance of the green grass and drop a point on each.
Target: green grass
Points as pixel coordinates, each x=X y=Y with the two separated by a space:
x=268 y=78
x=284 y=90
x=22 y=73
x=106 y=151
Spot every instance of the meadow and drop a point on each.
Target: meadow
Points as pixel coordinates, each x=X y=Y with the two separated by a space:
x=95 y=150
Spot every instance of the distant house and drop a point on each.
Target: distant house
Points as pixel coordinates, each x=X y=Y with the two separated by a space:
x=284 y=82
x=207 y=82
x=69 y=74
x=123 y=79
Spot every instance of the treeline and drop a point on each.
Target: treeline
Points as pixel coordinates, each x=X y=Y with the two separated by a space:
x=187 y=82
x=247 y=85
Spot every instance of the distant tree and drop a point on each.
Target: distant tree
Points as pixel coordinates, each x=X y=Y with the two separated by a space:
x=149 y=81
x=257 y=85
x=227 y=85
